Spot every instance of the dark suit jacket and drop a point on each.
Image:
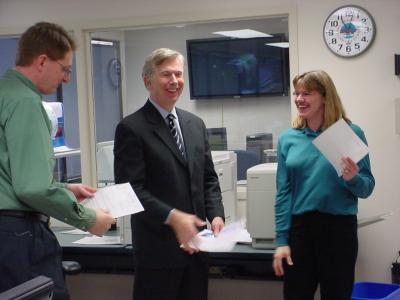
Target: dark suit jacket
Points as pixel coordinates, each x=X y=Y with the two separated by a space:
x=148 y=158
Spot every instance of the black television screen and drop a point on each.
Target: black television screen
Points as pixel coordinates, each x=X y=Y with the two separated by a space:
x=237 y=67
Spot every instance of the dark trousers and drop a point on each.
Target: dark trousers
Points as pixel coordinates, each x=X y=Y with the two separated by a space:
x=28 y=248
x=188 y=283
x=324 y=251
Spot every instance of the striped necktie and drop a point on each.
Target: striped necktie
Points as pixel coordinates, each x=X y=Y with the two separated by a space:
x=175 y=133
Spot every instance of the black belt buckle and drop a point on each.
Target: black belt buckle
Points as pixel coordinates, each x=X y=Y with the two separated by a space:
x=40 y=217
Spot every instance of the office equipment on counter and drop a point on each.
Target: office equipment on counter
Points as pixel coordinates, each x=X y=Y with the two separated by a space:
x=55 y=112
x=241 y=204
x=225 y=167
x=259 y=142
x=217 y=139
x=105 y=162
x=260 y=210
x=271 y=155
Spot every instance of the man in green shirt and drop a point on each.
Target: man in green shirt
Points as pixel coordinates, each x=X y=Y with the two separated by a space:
x=28 y=192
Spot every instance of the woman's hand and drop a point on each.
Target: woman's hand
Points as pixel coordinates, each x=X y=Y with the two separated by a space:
x=281 y=253
x=349 y=168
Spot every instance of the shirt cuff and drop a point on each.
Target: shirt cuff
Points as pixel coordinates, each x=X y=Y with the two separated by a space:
x=169 y=216
x=281 y=240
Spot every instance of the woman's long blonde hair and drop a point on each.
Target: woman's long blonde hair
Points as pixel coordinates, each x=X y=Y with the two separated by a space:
x=321 y=82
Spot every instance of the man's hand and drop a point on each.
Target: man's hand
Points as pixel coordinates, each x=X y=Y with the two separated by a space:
x=281 y=253
x=185 y=227
x=104 y=220
x=81 y=191
x=216 y=225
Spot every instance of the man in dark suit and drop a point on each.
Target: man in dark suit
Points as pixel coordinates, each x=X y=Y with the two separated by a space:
x=168 y=162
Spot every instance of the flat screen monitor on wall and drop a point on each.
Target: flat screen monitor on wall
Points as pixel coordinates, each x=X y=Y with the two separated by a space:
x=234 y=68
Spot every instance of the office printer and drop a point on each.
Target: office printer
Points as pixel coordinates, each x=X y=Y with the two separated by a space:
x=261 y=204
x=225 y=167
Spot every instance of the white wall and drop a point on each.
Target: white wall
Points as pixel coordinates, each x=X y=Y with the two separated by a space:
x=366 y=83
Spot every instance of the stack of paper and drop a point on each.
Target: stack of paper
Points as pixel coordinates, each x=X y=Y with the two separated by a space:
x=225 y=241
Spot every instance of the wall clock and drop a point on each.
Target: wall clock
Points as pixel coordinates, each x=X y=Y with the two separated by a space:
x=349 y=31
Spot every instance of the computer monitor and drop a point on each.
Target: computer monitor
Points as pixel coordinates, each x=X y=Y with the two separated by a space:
x=38 y=288
x=217 y=139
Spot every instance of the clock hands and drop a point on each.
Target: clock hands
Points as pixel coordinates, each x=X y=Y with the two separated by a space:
x=341 y=18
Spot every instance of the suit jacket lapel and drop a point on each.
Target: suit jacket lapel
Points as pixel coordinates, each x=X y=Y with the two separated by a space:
x=161 y=130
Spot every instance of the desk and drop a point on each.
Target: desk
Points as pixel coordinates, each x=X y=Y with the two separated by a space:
x=243 y=262
x=64 y=151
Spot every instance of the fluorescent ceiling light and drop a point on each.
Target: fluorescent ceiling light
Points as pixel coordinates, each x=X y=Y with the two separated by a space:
x=243 y=33
x=104 y=43
x=280 y=45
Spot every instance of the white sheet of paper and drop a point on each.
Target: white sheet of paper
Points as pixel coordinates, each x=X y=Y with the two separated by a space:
x=74 y=231
x=119 y=199
x=244 y=237
x=225 y=241
x=338 y=141
x=97 y=240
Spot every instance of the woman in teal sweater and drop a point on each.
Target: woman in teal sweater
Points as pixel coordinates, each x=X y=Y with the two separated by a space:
x=315 y=210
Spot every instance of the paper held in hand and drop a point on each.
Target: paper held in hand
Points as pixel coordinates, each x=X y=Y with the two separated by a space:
x=338 y=141
x=119 y=199
x=205 y=240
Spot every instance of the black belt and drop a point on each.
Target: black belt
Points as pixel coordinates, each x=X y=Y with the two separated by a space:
x=32 y=215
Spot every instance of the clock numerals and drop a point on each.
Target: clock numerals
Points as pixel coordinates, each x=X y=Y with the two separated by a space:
x=349 y=31
x=334 y=23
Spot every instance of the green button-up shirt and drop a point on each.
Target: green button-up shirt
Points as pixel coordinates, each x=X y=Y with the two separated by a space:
x=27 y=158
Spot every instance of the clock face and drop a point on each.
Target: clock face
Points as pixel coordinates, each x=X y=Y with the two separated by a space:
x=349 y=31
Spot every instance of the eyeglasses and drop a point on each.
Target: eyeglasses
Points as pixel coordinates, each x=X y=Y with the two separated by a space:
x=67 y=70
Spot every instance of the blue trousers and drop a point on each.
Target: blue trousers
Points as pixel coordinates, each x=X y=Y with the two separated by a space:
x=28 y=248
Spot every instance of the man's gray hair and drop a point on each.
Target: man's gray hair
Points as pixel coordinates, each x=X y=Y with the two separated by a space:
x=156 y=58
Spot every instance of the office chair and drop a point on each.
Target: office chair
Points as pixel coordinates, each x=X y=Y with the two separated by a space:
x=70 y=267
x=38 y=288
